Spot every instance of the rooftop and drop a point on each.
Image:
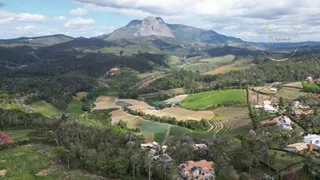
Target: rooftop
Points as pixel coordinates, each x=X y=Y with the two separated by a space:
x=298 y=146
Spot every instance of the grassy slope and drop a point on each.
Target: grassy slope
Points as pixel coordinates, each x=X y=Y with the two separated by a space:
x=206 y=99
x=23 y=162
x=45 y=108
x=75 y=107
x=19 y=135
x=159 y=130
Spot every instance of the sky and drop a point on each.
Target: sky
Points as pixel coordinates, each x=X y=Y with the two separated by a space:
x=249 y=20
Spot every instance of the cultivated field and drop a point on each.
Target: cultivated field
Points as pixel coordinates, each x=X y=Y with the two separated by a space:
x=177 y=131
x=290 y=93
x=176 y=99
x=180 y=114
x=228 y=119
x=294 y=84
x=212 y=98
x=80 y=95
x=105 y=102
x=220 y=60
x=265 y=90
x=45 y=108
x=257 y=98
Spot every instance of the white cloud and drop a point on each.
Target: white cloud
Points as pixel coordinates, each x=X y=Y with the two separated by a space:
x=234 y=17
x=78 y=12
x=79 y=23
x=8 y=17
x=59 y=18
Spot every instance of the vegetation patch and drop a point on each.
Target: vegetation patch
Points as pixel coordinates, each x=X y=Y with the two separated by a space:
x=214 y=98
x=75 y=107
x=290 y=93
x=310 y=87
x=19 y=135
x=178 y=131
x=158 y=129
x=279 y=160
x=23 y=162
x=45 y=108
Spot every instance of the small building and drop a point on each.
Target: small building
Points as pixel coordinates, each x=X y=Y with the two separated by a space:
x=200 y=147
x=313 y=139
x=153 y=147
x=297 y=147
x=164 y=158
x=284 y=122
x=274 y=89
x=112 y=71
x=200 y=170
x=270 y=109
x=309 y=79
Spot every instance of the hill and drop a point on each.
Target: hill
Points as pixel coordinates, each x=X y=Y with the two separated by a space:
x=152 y=26
x=36 y=41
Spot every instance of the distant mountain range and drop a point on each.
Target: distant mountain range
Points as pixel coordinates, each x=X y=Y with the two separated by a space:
x=150 y=35
x=151 y=26
x=38 y=41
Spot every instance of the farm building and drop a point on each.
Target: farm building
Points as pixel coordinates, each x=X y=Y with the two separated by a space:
x=284 y=122
x=297 y=147
x=313 y=139
x=200 y=170
x=267 y=107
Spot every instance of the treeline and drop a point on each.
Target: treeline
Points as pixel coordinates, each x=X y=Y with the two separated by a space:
x=291 y=70
x=201 y=125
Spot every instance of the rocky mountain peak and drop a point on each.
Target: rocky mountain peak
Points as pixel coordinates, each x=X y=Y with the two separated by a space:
x=153 y=26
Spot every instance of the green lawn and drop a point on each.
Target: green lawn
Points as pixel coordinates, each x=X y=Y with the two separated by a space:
x=19 y=135
x=75 y=107
x=279 y=160
x=45 y=108
x=310 y=87
x=207 y=99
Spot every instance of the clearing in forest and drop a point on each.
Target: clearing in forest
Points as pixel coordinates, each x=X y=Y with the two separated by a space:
x=80 y=95
x=105 y=102
x=211 y=98
x=45 y=108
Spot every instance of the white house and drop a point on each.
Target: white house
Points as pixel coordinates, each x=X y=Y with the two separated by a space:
x=284 y=122
x=270 y=109
x=313 y=139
